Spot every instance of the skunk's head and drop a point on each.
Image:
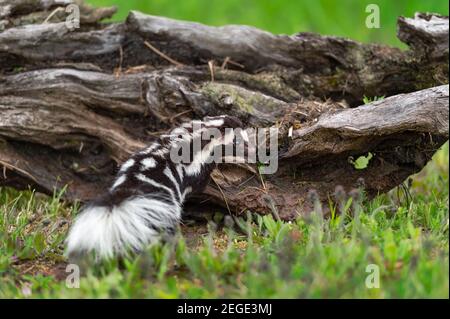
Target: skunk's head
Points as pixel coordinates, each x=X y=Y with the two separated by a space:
x=225 y=125
x=208 y=134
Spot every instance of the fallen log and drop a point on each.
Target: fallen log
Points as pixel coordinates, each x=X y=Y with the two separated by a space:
x=75 y=104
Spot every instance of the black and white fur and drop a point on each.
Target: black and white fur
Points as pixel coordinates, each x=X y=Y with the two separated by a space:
x=145 y=201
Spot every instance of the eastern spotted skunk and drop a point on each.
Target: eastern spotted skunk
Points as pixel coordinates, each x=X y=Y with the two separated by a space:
x=145 y=201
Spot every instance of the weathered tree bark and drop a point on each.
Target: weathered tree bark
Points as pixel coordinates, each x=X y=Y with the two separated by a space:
x=74 y=104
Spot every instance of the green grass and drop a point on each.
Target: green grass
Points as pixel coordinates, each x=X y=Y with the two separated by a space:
x=332 y=17
x=252 y=257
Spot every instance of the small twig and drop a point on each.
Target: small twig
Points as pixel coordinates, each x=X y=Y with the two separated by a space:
x=28 y=269
x=236 y=64
x=211 y=69
x=253 y=187
x=136 y=69
x=225 y=62
x=12 y=167
x=81 y=147
x=52 y=14
x=262 y=181
x=301 y=113
x=151 y=47
x=223 y=195
x=228 y=60
x=246 y=181
x=180 y=114
x=119 y=68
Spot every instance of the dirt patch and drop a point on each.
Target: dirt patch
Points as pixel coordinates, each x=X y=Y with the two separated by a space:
x=42 y=266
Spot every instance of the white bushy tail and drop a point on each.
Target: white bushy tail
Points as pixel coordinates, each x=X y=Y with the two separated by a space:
x=131 y=225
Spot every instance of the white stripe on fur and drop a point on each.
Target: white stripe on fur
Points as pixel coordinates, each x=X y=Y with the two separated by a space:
x=119 y=180
x=180 y=172
x=125 y=166
x=214 y=123
x=150 y=181
x=148 y=162
x=186 y=191
x=203 y=156
x=150 y=149
x=168 y=172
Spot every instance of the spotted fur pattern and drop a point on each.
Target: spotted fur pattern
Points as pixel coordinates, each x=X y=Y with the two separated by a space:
x=145 y=200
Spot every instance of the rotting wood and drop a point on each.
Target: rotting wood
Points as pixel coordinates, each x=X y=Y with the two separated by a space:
x=68 y=117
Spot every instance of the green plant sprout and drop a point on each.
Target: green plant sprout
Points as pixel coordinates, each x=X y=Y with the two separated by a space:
x=367 y=100
x=361 y=162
